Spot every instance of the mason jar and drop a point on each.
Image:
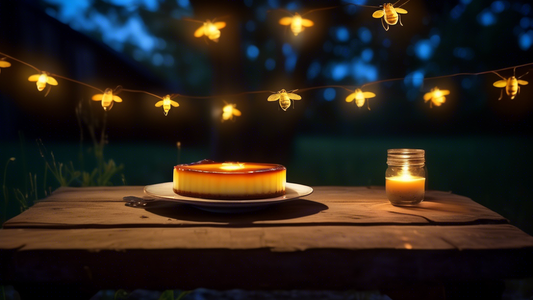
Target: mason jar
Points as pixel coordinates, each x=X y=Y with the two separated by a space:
x=405 y=177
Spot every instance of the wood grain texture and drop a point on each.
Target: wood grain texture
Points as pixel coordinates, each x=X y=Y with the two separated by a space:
x=337 y=237
x=277 y=239
x=91 y=208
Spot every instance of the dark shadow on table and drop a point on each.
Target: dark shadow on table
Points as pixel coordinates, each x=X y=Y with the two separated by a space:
x=282 y=211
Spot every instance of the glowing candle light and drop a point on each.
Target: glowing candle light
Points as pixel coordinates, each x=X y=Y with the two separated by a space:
x=284 y=98
x=107 y=98
x=360 y=97
x=228 y=111
x=436 y=96
x=42 y=79
x=405 y=177
x=210 y=30
x=167 y=103
x=297 y=23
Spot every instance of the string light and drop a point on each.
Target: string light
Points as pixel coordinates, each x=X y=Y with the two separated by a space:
x=284 y=98
x=389 y=14
x=228 y=111
x=167 y=104
x=360 y=97
x=210 y=29
x=436 y=96
x=4 y=64
x=296 y=22
x=107 y=98
x=41 y=80
x=511 y=85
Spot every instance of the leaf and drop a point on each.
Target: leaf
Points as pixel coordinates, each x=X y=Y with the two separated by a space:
x=167 y=295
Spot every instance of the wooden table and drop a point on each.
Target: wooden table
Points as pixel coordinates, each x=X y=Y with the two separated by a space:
x=335 y=238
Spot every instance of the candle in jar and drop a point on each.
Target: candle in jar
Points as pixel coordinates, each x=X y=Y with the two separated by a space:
x=405 y=189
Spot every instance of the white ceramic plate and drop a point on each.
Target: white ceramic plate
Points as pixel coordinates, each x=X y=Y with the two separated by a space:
x=293 y=191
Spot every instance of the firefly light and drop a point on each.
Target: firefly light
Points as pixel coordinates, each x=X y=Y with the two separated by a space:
x=107 y=98
x=284 y=98
x=360 y=97
x=297 y=23
x=436 y=96
x=4 y=64
x=228 y=111
x=167 y=104
x=511 y=85
x=42 y=79
x=210 y=30
x=389 y=14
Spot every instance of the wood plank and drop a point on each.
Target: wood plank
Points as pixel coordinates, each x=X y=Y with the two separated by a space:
x=278 y=258
x=73 y=208
x=94 y=194
x=277 y=239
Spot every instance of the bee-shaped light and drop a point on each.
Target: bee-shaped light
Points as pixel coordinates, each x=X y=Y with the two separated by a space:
x=167 y=104
x=107 y=98
x=297 y=23
x=360 y=97
x=228 y=111
x=284 y=98
x=511 y=85
x=4 y=64
x=436 y=96
x=389 y=14
x=42 y=79
x=210 y=30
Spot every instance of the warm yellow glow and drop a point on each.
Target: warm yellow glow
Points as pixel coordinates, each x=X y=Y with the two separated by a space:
x=284 y=98
x=232 y=166
x=389 y=15
x=210 y=30
x=4 y=64
x=511 y=85
x=167 y=104
x=360 y=97
x=297 y=23
x=107 y=98
x=228 y=111
x=436 y=96
x=42 y=79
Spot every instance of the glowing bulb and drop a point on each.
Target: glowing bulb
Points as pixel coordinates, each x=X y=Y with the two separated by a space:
x=389 y=14
x=436 y=96
x=296 y=22
x=167 y=104
x=511 y=85
x=360 y=97
x=42 y=79
x=284 y=98
x=107 y=98
x=210 y=30
x=4 y=64
x=228 y=111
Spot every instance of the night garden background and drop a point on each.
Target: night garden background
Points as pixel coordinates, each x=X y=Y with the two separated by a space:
x=476 y=145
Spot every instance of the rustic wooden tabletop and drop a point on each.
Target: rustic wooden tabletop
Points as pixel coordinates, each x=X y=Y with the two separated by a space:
x=335 y=238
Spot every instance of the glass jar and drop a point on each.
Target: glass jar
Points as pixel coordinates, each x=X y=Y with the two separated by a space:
x=405 y=178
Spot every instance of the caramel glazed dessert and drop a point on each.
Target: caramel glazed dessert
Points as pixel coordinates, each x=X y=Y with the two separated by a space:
x=229 y=180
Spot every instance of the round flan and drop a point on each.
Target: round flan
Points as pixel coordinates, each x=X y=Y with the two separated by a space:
x=229 y=180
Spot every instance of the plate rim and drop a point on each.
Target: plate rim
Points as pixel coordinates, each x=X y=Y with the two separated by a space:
x=306 y=191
